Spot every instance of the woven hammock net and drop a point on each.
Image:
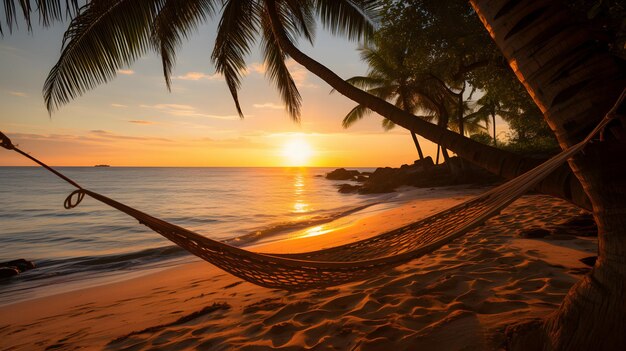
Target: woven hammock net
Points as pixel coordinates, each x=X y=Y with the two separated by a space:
x=345 y=263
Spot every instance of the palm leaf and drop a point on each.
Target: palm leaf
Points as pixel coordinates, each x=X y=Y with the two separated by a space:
x=49 y=11
x=105 y=36
x=352 y=19
x=236 y=33
x=277 y=71
x=174 y=23
x=354 y=115
x=302 y=18
x=387 y=124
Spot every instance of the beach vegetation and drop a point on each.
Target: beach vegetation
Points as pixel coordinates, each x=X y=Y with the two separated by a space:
x=568 y=56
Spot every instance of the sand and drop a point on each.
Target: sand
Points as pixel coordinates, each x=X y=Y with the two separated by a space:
x=460 y=297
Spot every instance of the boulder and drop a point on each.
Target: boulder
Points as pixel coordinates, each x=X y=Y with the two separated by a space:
x=425 y=163
x=384 y=180
x=342 y=174
x=348 y=188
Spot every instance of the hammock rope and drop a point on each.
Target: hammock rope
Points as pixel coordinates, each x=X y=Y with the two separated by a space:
x=350 y=262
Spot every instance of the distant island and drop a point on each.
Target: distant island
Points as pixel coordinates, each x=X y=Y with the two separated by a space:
x=102 y=166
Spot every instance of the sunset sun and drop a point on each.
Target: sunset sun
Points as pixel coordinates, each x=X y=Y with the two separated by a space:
x=297 y=152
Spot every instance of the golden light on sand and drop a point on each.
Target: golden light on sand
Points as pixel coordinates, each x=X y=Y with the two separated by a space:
x=297 y=152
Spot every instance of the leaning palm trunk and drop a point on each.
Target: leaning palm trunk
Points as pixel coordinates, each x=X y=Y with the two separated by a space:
x=417 y=146
x=574 y=81
x=504 y=164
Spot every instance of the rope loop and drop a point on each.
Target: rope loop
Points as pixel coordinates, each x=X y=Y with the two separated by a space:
x=70 y=202
x=5 y=142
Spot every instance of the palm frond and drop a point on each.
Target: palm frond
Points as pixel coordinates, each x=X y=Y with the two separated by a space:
x=365 y=82
x=236 y=33
x=302 y=19
x=388 y=124
x=385 y=92
x=49 y=11
x=175 y=22
x=354 y=115
x=353 y=19
x=277 y=71
x=105 y=36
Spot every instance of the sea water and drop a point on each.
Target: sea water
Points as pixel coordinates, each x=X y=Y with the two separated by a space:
x=94 y=243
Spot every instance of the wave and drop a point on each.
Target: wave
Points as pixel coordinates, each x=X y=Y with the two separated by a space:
x=282 y=227
x=77 y=270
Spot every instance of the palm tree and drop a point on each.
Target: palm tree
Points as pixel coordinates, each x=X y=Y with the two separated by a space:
x=569 y=74
x=389 y=78
x=110 y=34
x=574 y=80
x=489 y=108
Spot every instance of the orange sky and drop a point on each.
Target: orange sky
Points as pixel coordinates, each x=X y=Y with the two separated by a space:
x=134 y=121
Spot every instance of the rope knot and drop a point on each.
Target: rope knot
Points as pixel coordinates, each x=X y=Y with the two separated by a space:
x=70 y=202
x=5 y=142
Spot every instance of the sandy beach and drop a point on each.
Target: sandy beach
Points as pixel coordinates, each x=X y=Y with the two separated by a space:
x=460 y=297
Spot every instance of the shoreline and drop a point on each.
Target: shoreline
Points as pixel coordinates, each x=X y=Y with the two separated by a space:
x=458 y=295
x=327 y=231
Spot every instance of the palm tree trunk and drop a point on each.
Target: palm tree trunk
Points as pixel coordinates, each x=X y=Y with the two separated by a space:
x=495 y=139
x=574 y=80
x=417 y=145
x=504 y=164
x=442 y=122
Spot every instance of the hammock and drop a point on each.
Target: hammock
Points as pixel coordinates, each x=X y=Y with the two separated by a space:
x=345 y=263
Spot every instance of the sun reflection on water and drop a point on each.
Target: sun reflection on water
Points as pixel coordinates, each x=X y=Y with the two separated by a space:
x=300 y=206
x=315 y=231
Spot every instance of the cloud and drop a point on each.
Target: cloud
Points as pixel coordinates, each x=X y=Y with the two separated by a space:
x=106 y=135
x=231 y=143
x=186 y=111
x=299 y=74
x=118 y=105
x=142 y=122
x=256 y=67
x=126 y=72
x=92 y=137
x=200 y=76
x=17 y=93
x=269 y=105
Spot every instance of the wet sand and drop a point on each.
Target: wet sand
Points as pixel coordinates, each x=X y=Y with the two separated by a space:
x=460 y=297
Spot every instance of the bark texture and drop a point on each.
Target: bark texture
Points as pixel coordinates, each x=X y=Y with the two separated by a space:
x=575 y=82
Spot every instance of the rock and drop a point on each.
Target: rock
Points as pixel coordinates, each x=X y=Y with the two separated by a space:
x=342 y=174
x=8 y=272
x=21 y=265
x=422 y=173
x=534 y=233
x=384 y=180
x=589 y=261
x=348 y=188
x=426 y=163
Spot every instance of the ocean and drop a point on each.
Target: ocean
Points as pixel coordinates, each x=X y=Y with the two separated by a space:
x=94 y=244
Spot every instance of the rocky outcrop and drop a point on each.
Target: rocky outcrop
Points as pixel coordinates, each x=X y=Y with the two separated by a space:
x=422 y=173
x=342 y=174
